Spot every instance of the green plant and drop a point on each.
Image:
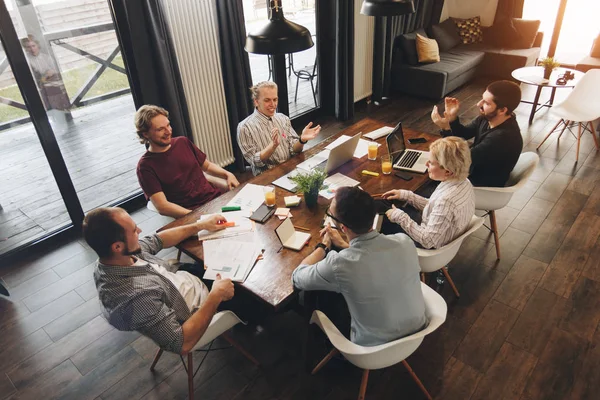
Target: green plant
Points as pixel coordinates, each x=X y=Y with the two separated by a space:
x=309 y=182
x=549 y=63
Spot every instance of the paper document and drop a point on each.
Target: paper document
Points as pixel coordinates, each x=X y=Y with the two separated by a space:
x=334 y=182
x=233 y=258
x=242 y=225
x=285 y=183
x=249 y=198
x=377 y=133
x=362 y=149
x=311 y=163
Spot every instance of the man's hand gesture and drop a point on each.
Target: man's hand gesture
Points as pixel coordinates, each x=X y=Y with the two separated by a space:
x=275 y=138
x=309 y=133
x=452 y=106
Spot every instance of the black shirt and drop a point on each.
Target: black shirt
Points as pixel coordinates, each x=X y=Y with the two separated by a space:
x=494 y=152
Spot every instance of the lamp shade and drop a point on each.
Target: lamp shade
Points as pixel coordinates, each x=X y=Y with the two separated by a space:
x=279 y=36
x=382 y=8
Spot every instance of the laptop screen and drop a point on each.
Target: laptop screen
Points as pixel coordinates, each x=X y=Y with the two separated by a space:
x=395 y=141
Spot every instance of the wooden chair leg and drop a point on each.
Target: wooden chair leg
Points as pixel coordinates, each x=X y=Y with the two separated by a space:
x=363 y=385
x=239 y=348
x=563 y=129
x=578 y=140
x=450 y=281
x=423 y=277
x=494 y=227
x=190 y=370
x=324 y=361
x=156 y=358
x=417 y=380
x=551 y=132
x=593 y=132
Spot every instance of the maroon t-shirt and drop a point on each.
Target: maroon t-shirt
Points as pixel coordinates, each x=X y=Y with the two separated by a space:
x=178 y=173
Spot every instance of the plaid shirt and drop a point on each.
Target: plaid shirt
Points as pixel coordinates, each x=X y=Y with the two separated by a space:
x=137 y=298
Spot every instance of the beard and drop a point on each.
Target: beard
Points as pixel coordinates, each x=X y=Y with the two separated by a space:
x=490 y=115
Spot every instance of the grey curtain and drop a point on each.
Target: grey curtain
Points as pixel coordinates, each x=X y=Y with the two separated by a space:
x=344 y=60
x=235 y=65
x=149 y=58
x=427 y=13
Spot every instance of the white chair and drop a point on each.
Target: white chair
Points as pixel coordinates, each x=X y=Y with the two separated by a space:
x=220 y=323
x=150 y=206
x=490 y=199
x=437 y=259
x=582 y=106
x=383 y=355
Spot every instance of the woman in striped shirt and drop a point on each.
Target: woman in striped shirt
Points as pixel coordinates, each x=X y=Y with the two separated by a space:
x=447 y=213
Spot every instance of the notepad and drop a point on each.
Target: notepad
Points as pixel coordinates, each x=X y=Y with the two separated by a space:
x=232 y=258
x=378 y=133
x=291 y=238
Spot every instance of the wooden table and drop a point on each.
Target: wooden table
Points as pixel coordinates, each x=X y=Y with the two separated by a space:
x=270 y=280
x=527 y=75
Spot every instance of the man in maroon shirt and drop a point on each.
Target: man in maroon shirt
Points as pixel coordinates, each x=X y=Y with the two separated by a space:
x=171 y=172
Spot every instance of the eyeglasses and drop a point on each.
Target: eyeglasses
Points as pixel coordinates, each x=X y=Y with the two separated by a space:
x=332 y=217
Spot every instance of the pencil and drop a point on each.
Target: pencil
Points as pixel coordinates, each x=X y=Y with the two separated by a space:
x=377 y=195
x=301 y=228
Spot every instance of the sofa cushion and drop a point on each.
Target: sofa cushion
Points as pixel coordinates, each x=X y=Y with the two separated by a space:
x=427 y=49
x=528 y=31
x=456 y=61
x=408 y=45
x=469 y=29
x=501 y=62
x=587 y=63
x=596 y=48
x=502 y=34
x=446 y=34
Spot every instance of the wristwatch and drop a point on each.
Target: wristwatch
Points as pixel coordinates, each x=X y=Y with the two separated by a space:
x=302 y=141
x=322 y=246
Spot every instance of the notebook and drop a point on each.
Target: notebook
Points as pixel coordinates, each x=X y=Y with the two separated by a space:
x=291 y=238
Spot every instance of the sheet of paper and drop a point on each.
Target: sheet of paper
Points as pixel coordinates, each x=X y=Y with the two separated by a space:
x=334 y=182
x=249 y=198
x=285 y=183
x=233 y=258
x=362 y=148
x=311 y=163
x=242 y=225
x=377 y=133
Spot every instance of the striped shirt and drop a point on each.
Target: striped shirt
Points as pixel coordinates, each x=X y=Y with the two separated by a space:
x=446 y=214
x=139 y=298
x=254 y=135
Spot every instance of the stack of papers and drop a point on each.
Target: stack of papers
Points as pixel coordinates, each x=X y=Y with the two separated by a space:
x=249 y=198
x=283 y=213
x=334 y=182
x=242 y=225
x=233 y=258
x=377 y=133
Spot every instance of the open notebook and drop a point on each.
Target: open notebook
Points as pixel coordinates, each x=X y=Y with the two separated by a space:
x=289 y=237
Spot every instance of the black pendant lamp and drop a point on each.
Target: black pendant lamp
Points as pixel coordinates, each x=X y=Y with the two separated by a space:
x=279 y=36
x=382 y=8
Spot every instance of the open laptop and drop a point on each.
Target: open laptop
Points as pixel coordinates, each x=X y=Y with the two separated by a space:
x=408 y=160
x=337 y=156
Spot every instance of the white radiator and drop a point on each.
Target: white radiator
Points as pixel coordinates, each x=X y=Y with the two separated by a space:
x=194 y=31
x=363 y=53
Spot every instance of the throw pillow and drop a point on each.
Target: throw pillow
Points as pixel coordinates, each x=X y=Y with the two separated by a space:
x=408 y=44
x=528 y=30
x=469 y=29
x=446 y=35
x=427 y=49
x=502 y=34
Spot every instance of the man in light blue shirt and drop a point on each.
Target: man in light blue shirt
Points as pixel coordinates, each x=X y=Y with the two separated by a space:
x=378 y=275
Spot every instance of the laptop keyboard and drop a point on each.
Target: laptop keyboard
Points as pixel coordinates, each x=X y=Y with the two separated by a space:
x=409 y=158
x=321 y=166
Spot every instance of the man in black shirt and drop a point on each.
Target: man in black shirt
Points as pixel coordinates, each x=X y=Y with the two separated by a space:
x=498 y=141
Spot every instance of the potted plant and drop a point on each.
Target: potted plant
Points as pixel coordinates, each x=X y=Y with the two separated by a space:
x=309 y=183
x=549 y=63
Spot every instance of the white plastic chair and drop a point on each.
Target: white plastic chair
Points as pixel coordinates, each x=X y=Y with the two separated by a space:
x=582 y=106
x=490 y=199
x=383 y=355
x=220 y=323
x=437 y=259
x=150 y=206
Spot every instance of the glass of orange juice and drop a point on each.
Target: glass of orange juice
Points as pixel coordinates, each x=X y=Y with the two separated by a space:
x=373 y=151
x=386 y=164
x=269 y=192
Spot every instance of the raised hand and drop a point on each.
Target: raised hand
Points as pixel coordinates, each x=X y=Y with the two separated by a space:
x=275 y=138
x=309 y=133
x=452 y=106
x=440 y=121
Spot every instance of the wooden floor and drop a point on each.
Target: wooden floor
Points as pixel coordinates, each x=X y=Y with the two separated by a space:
x=524 y=328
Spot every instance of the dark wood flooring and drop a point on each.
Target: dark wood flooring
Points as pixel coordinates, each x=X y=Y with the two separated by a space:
x=526 y=327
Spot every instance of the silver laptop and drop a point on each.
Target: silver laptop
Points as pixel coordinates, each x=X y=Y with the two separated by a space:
x=408 y=160
x=339 y=155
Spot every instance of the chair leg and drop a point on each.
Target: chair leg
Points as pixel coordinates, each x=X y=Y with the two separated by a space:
x=156 y=358
x=190 y=370
x=563 y=129
x=578 y=140
x=297 y=82
x=551 y=132
x=363 y=385
x=313 y=91
x=494 y=227
x=450 y=281
x=417 y=380
x=593 y=132
x=240 y=349
x=324 y=361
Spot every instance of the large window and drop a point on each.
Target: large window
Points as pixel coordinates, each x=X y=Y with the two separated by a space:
x=302 y=72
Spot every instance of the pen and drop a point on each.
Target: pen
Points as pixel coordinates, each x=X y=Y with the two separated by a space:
x=301 y=228
x=365 y=172
x=377 y=195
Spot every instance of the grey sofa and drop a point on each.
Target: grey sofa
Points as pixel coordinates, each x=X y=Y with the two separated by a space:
x=457 y=66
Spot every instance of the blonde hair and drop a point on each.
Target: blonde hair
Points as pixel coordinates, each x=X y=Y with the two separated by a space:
x=453 y=154
x=255 y=90
x=143 y=119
